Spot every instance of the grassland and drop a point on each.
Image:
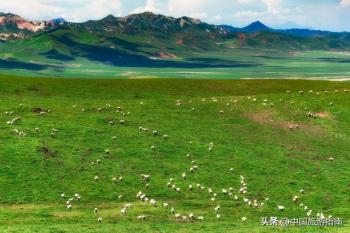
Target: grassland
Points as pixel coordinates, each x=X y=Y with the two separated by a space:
x=65 y=53
x=252 y=138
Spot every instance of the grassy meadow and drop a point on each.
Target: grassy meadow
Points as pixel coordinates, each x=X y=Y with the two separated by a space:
x=258 y=129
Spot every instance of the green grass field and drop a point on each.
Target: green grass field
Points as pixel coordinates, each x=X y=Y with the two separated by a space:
x=251 y=137
x=222 y=61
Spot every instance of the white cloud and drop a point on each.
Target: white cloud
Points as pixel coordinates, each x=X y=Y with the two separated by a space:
x=151 y=5
x=345 y=3
x=192 y=8
x=77 y=10
x=331 y=14
x=273 y=6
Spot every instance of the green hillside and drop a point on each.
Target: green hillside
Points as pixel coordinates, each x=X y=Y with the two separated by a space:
x=150 y=45
x=75 y=135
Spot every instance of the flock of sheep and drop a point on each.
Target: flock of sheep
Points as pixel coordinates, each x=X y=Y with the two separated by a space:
x=239 y=194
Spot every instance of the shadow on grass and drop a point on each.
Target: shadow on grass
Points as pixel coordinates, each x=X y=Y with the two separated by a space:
x=54 y=54
x=14 y=64
x=117 y=57
x=335 y=60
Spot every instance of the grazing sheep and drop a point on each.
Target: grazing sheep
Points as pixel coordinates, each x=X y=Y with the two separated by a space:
x=218 y=216
x=244 y=219
x=95 y=210
x=69 y=207
x=165 y=205
x=302 y=191
x=165 y=136
x=280 y=208
x=123 y=211
x=153 y=202
x=96 y=178
x=100 y=219
x=200 y=218
x=295 y=199
x=145 y=177
x=141 y=217
x=309 y=213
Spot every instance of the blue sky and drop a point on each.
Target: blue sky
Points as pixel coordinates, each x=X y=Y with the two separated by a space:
x=318 y=14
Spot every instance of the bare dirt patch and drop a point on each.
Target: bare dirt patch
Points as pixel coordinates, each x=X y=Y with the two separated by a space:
x=324 y=115
x=24 y=207
x=47 y=152
x=66 y=214
x=262 y=117
x=269 y=118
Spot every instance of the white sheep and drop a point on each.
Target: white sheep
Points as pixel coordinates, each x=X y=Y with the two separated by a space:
x=141 y=217
x=153 y=202
x=123 y=211
x=145 y=177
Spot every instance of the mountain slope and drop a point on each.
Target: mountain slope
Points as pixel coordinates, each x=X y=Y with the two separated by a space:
x=259 y=27
x=149 y=40
x=15 y=27
x=256 y=27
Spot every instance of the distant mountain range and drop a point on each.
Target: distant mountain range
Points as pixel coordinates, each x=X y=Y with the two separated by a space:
x=14 y=26
x=259 y=27
x=147 y=39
